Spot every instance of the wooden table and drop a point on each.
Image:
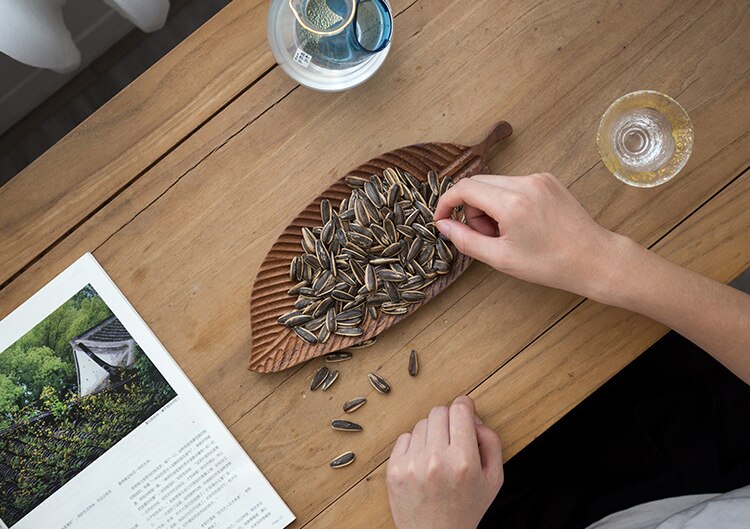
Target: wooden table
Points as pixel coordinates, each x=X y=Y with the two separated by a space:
x=180 y=184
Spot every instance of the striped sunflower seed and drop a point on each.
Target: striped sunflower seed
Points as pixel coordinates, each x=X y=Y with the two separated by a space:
x=354 y=404
x=347 y=458
x=318 y=378
x=330 y=379
x=413 y=363
x=379 y=383
x=346 y=426
x=363 y=344
x=339 y=356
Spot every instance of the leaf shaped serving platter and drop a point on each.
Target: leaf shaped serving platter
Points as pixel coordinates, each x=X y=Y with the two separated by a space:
x=276 y=347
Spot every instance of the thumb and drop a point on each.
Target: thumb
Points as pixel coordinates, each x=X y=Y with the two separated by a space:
x=491 y=453
x=467 y=240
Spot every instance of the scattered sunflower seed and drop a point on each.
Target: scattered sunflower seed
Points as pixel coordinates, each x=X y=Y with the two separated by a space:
x=339 y=356
x=354 y=404
x=346 y=426
x=344 y=459
x=363 y=344
x=379 y=383
x=330 y=379
x=413 y=363
x=318 y=378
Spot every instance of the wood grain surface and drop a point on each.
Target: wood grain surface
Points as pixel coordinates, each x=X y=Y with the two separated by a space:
x=185 y=238
x=131 y=131
x=275 y=347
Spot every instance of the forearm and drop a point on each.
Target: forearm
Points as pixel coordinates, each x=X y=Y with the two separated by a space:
x=714 y=316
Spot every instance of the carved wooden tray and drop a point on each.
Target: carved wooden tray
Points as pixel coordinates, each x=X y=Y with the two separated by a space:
x=275 y=347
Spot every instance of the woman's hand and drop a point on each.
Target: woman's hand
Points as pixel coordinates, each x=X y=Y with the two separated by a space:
x=531 y=227
x=446 y=472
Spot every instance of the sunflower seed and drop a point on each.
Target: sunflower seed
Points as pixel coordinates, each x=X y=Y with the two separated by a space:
x=443 y=251
x=432 y=180
x=391 y=176
x=295 y=289
x=412 y=296
x=347 y=458
x=391 y=291
x=349 y=315
x=413 y=363
x=302 y=303
x=354 y=404
x=318 y=378
x=321 y=279
x=331 y=320
x=363 y=344
x=315 y=324
x=441 y=267
x=391 y=250
x=355 y=181
x=328 y=232
x=393 y=193
x=424 y=232
x=371 y=278
x=377 y=298
x=356 y=302
x=393 y=309
x=325 y=210
x=294 y=269
x=391 y=275
x=342 y=295
x=306 y=335
x=323 y=335
x=379 y=383
x=330 y=379
x=347 y=215
x=345 y=426
x=297 y=319
x=446 y=184
x=411 y=218
x=339 y=356
x=414 y=248
x=361 y=214
x=374 y=195
x=384 y=260
x=286 y=317
x=349 y=331
x=406 y=231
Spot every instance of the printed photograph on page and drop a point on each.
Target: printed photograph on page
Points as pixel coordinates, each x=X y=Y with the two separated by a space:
x=70 y=389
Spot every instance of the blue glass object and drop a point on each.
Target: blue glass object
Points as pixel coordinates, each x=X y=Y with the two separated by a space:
x=330 y=44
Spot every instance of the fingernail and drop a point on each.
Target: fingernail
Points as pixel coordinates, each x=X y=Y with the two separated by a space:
x=445 y=227
x=477 y=419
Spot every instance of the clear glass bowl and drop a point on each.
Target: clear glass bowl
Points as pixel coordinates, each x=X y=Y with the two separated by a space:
x=645 y=138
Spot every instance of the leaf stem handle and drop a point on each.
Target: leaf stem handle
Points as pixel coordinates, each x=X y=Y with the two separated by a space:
x=499 y=132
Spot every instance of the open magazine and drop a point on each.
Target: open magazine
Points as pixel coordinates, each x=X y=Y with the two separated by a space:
x=99 y=427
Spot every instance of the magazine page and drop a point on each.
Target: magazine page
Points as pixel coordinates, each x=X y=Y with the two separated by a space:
x=100 y=428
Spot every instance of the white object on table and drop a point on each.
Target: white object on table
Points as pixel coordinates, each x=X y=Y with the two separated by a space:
x=33 y=31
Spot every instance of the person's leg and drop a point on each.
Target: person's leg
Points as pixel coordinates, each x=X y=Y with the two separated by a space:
x=674 y=422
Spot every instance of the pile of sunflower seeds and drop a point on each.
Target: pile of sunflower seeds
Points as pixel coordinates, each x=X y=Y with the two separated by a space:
x=377 y=252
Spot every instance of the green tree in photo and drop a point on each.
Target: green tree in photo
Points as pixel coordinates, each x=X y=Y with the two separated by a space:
x=11 y=395
x=43 y=358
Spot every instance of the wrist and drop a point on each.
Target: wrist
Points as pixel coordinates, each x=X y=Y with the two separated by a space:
x=618 y=265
